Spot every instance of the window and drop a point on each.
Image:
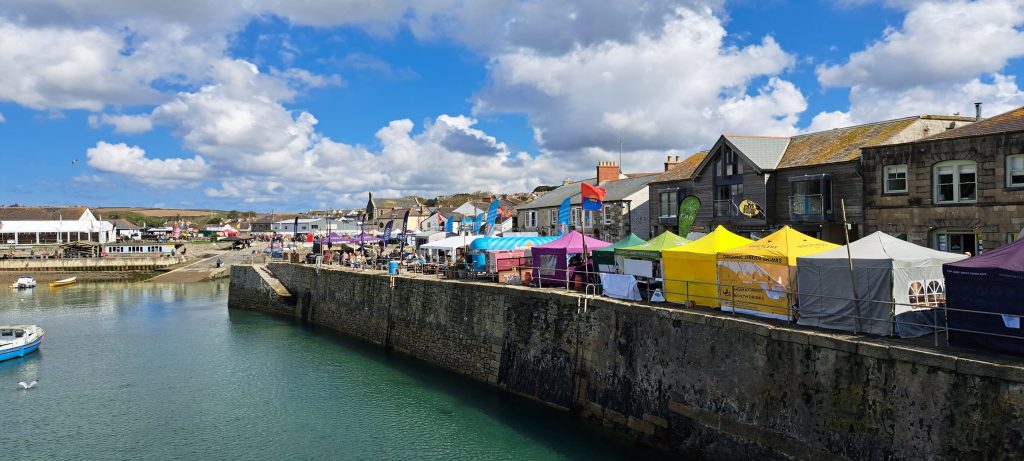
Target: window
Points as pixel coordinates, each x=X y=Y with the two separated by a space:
x=895 y=178
x=669 y=204
x=811 y=198
x=955 y=241
x=554 y=217
x=606 y=215
x=531 y=219
x=727 y=199
x=956 y=181
x=1015 y=170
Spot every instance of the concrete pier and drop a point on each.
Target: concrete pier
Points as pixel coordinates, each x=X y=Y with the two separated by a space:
x=698 y=383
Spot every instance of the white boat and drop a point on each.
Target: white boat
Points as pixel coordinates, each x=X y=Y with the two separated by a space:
x=62 y=282
x=18 y=340
x=24 y=282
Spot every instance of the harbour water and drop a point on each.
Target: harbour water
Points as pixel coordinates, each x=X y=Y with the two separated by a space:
x=147 y=371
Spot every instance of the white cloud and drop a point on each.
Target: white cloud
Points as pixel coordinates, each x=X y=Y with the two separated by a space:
x=944 y=42
x=678 y=89
x=943 y=58
x=123 y=124
x=132 y=162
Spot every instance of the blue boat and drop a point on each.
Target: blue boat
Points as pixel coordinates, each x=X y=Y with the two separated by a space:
x=18 y=340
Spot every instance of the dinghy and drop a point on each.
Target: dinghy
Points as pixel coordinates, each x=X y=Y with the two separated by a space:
x=62 y=282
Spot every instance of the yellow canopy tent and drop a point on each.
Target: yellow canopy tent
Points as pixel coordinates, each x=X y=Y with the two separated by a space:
x=691 y=271
x=759 y=278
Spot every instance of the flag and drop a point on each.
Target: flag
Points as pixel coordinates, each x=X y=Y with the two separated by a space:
x=295 y=228
x=563 y=218
x=687 y=214
x=387 y=234
x=449 y=226
x=477 y=223
x=405 y=227
x=750 y=209
x=593 y=197
x=440 y=219
x=492 y=216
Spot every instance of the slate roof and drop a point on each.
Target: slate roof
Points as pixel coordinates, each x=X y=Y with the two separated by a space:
x=615 y=190
x=840 y=144
x=684 y=170
x=763 y=151
x=1002 y=123
x=402 y=202
x=41 y=213
x=123 y=224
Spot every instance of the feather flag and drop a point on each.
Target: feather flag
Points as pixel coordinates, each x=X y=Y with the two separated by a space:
x=479 y=221
x=563 y=218
x=387 y=233
x=492 y=216
x=593 y=197
x=449 y=226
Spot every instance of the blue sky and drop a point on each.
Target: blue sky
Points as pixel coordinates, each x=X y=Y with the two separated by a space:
x=262 y=105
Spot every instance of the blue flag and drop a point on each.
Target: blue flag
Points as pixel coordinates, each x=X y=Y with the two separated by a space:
x=492 y=216
x=449 y=225
x=477 y=223
x=563 y=218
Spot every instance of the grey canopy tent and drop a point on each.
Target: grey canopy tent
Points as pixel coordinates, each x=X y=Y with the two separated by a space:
x=898 y=286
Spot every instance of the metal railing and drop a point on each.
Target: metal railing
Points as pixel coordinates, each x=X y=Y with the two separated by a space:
x=724 y=208
x=736 y=299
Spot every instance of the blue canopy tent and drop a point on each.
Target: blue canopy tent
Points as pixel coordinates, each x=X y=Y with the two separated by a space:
x=983 y=299
x=497 y=254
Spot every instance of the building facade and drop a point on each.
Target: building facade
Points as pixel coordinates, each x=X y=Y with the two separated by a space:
x=960 y=191
x=668 y=189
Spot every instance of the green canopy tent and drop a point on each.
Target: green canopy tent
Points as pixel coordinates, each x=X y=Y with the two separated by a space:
x=606 y=256
x=644 y=259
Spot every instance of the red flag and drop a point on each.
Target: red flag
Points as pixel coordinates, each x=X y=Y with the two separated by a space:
x=593 y=197
x=440 y=220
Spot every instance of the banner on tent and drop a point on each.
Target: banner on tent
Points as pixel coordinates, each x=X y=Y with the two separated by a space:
x=755 y=285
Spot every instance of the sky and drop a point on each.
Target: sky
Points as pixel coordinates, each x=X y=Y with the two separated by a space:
x=290 y=105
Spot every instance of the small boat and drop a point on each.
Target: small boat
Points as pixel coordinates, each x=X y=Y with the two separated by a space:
x=62 y=282
x=24 y=282
x=18 y=340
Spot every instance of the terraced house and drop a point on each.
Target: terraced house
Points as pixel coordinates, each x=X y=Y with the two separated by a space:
x=799 y=181
x=960 y=191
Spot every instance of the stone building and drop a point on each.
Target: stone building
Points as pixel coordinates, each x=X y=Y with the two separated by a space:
x=959 y=191
x=625 y=206
x=797 y=181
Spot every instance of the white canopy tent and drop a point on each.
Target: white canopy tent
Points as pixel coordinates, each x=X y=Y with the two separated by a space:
x=448 y=245
x=898 y=284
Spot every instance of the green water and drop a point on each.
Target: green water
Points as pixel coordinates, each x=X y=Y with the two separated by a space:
x=142 y=371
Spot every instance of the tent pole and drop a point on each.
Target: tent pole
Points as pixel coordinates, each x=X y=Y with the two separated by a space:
x=853 y=275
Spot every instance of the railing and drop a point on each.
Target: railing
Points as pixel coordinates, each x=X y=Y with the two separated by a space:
x=809 y=207
x=728 y=298
x=723 y=208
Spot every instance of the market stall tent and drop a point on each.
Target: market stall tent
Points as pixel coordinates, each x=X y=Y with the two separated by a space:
x=502 y=254
x=604 y=258
x=899 y=287
x=448 y=246
x=991 y=285
x=550 y=261
x=640 y=259
x=759 y=278
x=691 y=271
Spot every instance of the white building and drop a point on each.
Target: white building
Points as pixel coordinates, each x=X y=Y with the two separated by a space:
x=52 y=225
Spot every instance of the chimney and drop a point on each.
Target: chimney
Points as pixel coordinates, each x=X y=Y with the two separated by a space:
x=669 y=163
x=607 y=171
x=977 y=112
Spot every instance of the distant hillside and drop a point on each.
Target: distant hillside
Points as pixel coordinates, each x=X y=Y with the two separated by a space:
x=158 y=216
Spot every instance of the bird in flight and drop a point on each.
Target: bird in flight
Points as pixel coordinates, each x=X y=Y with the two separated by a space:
x=74 y=162
x=30 y=385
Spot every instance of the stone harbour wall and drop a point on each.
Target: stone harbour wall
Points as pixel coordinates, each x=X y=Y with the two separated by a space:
x=701 y=384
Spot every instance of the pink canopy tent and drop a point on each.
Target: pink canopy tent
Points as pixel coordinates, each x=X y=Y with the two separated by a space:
x=551 y=260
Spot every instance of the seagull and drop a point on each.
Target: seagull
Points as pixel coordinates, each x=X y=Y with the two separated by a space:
x=74 y=162
x=30 y=385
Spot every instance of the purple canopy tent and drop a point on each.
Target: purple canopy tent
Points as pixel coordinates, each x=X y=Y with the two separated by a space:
x=983 y=295
x=363 y=238
x=551 y=260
